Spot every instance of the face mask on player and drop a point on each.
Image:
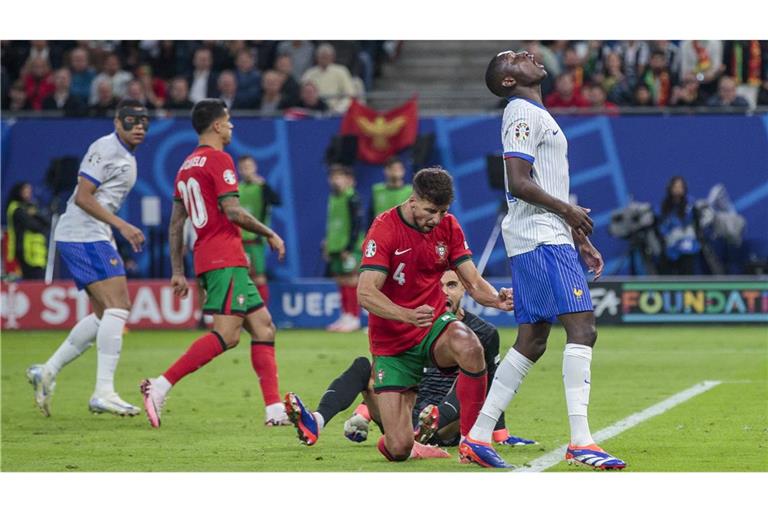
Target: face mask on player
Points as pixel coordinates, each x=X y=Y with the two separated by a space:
x=132 y=116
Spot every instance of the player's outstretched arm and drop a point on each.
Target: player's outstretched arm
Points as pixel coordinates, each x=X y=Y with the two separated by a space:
x=231 y=207
x=481 y=290
x=176 y=242
x=374 y=301
x=86 y=200
x=522 y=186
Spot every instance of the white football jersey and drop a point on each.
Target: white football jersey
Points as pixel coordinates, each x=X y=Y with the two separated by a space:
x=529 y=132
x=112 y=167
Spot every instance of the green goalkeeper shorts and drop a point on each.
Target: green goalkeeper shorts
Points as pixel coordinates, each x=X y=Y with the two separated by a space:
x=404 y=371
x=230 y=291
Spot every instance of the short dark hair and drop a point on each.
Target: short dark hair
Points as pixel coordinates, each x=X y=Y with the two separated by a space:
x=243 y=158
x=127 y=102
x=435 y=185
x=392 y=161
x=341 y=169
x=494 y=75
x=205 y=112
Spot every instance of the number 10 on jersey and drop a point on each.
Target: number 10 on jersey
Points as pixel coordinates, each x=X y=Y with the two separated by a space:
x=193 y=202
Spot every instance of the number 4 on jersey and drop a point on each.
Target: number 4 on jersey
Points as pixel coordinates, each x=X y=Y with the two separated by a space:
x=399 y=275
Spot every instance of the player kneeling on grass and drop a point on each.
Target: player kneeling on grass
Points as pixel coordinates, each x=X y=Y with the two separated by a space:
x=405 y=253
x=436 y=414
x=206 y=190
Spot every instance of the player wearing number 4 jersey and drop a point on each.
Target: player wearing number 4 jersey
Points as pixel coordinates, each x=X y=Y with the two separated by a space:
x=539 y=233
x=405 y=253
x=206 y=191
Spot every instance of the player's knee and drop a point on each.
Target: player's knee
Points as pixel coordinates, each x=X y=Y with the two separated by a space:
x=400 y=449
x=585 y=335
x=230 y=339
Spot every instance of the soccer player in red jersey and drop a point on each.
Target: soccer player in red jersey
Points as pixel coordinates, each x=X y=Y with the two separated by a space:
x=405 y=253
x=206 y=190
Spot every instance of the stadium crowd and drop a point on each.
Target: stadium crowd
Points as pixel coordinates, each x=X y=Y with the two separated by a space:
x=88 y=78
x=303 y=78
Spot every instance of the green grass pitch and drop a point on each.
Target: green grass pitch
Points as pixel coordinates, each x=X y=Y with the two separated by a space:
x=214 y=417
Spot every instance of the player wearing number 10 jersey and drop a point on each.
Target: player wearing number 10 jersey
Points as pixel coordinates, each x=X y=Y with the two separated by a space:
x=206 y=191
x=405 y=253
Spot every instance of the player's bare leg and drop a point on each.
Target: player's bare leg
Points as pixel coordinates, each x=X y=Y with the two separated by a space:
x=111 y=298
x=262 y=330
x=395 y=410
x=225 y=335
x=577 y=360
x=459 y=346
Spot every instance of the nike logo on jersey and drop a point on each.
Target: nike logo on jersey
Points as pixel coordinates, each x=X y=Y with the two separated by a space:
x=398 y=252
x=555 y=132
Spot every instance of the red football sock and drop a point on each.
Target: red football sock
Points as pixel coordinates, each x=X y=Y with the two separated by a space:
x=354 y=307
x=470 y=390
x=265 y=366
x=264 y=292
x=363 y=411
x=197 y=355
x=344 y=298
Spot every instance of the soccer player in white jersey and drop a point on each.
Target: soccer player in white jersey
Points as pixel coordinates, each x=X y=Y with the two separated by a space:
x=86 y=244
x=539 y=231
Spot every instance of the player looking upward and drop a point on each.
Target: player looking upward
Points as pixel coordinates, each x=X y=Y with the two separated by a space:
x=405 y=253
x=206 y=190
x=539 y=234
x=258 y=198
x=85 y=241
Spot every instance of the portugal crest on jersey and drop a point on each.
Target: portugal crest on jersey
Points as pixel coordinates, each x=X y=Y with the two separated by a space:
x=442 y=250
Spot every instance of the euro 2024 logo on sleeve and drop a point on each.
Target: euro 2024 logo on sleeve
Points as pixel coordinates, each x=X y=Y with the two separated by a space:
x=522 y=131
x=370 y=249
x=229 y=177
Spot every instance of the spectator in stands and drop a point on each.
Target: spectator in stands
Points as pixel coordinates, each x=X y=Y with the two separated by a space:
x=229 y=93
x=595 y=96
x=658 y=78
x=705 y=60
x=565 y=94
x=27 y=232
x=678 y=226
x=220 y=59
x=248 y=77
x=301 y=54
x=272 y=100
x=290 y=89
x=62 y=98
x=136 y=91
x=747 y=63
x=310 y=99
x=82 y=74
x=155 y=89
x=671 y=57
x=178 y=95
x=573 y=65
x=18 y=98
x=105 y=99
x=265 y=54
x=38 y=81
x=333 y=81
x=634 y=56
x=119 y=78
x=687 y=93
x=618 y=87
x=641 y=96
x=726 y=95
x=202 y=80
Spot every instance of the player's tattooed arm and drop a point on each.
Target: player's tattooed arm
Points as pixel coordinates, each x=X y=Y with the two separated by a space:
x=176 y=242
x=481 y=290
x=86 y=200
x=371 y=297
x=522 y=186
x=239 y=216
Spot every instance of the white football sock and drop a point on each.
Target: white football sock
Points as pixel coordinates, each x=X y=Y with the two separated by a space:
x=162 y=385
x=320 y=420
x=109 y=341
x=79 y=340
x=510 y=373
x=577 y=381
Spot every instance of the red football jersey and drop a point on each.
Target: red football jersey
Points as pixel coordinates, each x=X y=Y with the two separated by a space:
x=206 y=176
x=414 y=263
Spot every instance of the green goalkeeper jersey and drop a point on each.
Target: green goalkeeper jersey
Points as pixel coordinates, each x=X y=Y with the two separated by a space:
x=343 y=224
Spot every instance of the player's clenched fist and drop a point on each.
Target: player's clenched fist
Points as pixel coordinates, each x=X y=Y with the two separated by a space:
x=506 y=299
x=422 y=316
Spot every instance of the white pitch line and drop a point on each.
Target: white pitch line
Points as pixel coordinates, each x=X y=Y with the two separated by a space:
x=558 y=454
